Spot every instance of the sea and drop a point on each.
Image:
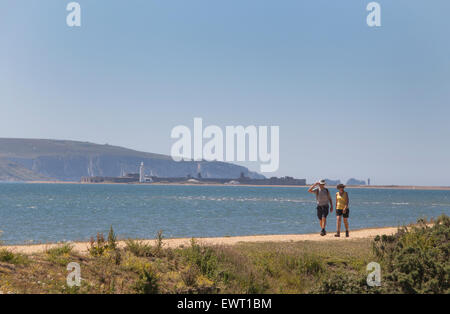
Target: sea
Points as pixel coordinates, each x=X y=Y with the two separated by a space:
x=45 y=213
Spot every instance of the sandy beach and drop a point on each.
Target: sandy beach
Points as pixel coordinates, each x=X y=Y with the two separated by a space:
x=82 y=247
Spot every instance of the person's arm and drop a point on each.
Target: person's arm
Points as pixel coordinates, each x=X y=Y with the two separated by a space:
x=311 y=188
x=331 y=201
x=346 y=202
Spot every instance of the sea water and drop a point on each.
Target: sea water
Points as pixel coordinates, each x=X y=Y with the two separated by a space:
x=40 y=213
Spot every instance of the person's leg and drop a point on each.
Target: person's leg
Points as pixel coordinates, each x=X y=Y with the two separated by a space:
x=338 y=224
x=322 y=227
x=346 y=223
x=324 y=218
x=346 y=215
x=322 y=212
x=319 y=215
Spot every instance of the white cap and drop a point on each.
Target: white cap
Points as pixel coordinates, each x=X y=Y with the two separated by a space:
x=322 y=181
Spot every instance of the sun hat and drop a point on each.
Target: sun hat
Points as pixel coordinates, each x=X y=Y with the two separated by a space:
x=322 y=181
x=339 y=186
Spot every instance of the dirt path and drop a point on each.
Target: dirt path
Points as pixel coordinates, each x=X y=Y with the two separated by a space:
x=174 y=243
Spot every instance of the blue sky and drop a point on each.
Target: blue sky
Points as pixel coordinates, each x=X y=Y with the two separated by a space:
x=351 y=101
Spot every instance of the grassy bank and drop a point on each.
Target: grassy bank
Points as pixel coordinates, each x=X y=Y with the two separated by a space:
x=415 y=260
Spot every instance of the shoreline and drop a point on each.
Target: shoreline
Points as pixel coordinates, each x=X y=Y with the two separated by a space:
x=82 y=247
x=375 y=187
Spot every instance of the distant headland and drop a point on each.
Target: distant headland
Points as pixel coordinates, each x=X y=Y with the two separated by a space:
x=69 y=161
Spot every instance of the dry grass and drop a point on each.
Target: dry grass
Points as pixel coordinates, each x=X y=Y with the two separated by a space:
x=294 y=267
x=286 y=267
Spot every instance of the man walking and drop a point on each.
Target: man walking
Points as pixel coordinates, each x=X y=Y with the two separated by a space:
x=323 y=198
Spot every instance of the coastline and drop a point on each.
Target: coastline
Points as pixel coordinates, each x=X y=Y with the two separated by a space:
x=375 y=187
x=82 y=247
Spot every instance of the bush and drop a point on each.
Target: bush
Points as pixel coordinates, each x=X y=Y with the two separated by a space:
x=189 y=276
x=311 y=265
x=204 y=258
x=60 y=254
x=414 y=260
x=159 y=243
x=112 y=239
x=133 y=263
x=255 y=285
x=138 y=248
x=63 y=249
x=12 y=258
x=347 y=283
x=100 y=246
x=147 y=282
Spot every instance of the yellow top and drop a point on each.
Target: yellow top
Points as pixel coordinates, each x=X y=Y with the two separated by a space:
x=341 y=201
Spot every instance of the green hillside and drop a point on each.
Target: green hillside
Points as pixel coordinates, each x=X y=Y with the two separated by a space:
x=31 y=148
x=10 y=171
x=41 y=159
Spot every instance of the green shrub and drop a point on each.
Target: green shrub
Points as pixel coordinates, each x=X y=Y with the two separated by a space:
x=204 y=258
x=9 y=257
x=253 y=284
x=147 y=282
x=348 y=283
x=189 y=276
x=112 y=239
x=159 y=243
x=311 y=265
x=60 y=254
x=139 y=248
x=100 y=246
x=414 y=260
x=97 y=247
x=417 y=260
x=63 y=249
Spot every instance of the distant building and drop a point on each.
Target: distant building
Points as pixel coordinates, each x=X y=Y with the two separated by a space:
x=141 y=173
x=272 y=181
x=148 y=179
x=331 y=182
x=199 y=171
x=368 y=181
x=354 y=181
x=142 y=178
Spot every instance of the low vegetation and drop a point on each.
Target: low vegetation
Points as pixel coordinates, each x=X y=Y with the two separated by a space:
x=9 y=257
x=415 y=260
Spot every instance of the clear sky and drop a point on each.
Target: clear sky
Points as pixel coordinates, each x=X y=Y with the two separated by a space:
x=351 y=101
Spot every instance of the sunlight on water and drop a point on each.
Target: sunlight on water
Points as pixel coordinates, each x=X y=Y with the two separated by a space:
x=56 y=212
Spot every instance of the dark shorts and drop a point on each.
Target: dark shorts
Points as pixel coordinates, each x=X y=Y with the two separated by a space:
x=340 y=212
x=322 y=211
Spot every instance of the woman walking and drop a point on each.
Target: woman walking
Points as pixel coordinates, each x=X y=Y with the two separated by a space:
x=342 y=210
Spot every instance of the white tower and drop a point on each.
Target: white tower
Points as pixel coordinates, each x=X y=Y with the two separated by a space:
x=141 y=173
